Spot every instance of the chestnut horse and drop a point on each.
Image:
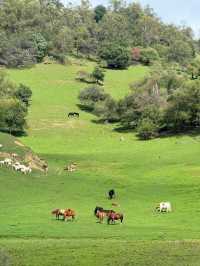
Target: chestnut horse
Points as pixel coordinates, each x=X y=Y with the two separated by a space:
x=69 y=213
x=101 y=209
x=66 y=213
x=100 y=215
x=112 y=217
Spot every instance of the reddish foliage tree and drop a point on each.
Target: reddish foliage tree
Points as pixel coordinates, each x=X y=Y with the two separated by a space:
x=136 y=54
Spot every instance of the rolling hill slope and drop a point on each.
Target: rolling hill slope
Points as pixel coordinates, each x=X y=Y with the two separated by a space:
x=142 y=173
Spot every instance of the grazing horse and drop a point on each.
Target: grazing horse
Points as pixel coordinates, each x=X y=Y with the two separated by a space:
x=73 y=114
x=69 y=213
x=111 y=194
x=101 y=215
x=101 y=209
x=58 y=213
x=112 y=217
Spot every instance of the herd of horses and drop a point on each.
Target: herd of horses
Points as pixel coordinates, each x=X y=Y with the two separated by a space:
x=99 y=212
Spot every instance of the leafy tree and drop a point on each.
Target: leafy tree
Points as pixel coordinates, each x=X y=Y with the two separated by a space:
x=107 y=110
x=91 y=96
x=181 y=52
x=194 y=68
x=183 y=110
x=12 y=116
x=116 y=57
x=99 y=11
x=13 y=105
x=113 y=30
x=41 y=46
x=98 y=75
x=24 y=94
x=147 y=129
x=148 y=55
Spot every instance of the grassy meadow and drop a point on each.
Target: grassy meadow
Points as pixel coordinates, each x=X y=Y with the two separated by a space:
x=143 y=173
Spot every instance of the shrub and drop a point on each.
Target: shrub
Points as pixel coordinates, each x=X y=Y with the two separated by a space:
x=115 y=56
x=12 y=118
x=60 y=58
x=24 y=94
x=92 y=95
x=98 y=75
x=107 y=110
x=147 y=129
x=148 y=55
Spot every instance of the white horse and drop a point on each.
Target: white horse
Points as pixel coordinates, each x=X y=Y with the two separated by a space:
x=164 y=207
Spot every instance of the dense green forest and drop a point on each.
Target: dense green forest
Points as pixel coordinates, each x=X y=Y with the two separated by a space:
x=33 y=29
x=115 y=36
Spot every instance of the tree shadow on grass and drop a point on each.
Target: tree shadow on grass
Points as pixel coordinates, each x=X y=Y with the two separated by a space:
x=189 y=132
x=84 y=108
x=15 y=133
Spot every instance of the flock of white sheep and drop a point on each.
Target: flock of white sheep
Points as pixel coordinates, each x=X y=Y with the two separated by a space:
x=15 y=165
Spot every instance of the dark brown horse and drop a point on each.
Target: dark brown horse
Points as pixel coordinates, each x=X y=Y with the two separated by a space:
x=113 y=216
x=101 y=209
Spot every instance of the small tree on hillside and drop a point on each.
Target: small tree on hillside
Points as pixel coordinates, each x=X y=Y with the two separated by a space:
x=98 y=75
x=99 y=11
x=147 y=129
x=92 y=95
x=24 y=94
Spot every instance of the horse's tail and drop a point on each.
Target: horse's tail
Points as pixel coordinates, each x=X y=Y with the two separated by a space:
x=122 y=218
x=73 y=215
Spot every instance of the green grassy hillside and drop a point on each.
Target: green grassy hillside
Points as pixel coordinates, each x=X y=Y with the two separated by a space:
x=142 y=173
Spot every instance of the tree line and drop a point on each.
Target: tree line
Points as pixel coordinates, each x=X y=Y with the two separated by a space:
x=118 y=34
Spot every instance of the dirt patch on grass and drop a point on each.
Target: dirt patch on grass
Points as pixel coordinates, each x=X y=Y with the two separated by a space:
x=35 y=162
x=19 y=143
x=5 y=155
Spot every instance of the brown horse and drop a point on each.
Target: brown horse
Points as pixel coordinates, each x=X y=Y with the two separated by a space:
x=58 y=213
x=112 y=217
x=101 y=209
x=69 y=213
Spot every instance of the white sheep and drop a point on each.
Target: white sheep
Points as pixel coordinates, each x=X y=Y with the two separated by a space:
x=17 y=167
x=25 y=170
x=2 y=163
x=7 y=161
